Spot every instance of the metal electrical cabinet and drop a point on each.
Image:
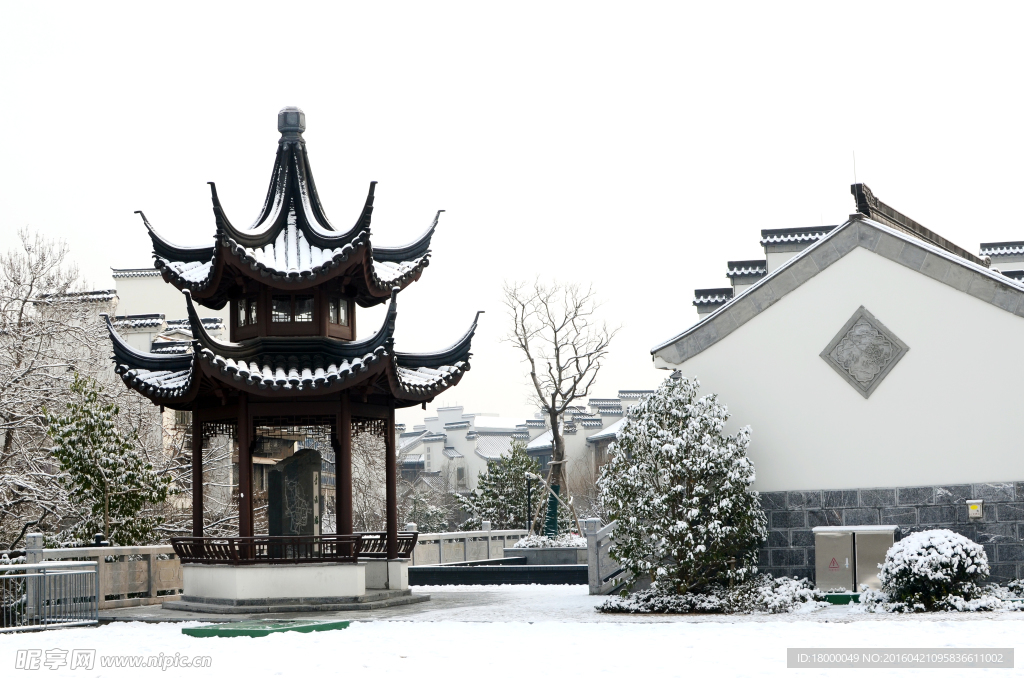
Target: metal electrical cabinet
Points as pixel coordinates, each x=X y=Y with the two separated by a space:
x=833 y=560
x=849 y=557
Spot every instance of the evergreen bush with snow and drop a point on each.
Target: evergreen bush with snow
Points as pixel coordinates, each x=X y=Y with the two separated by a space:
x=678 y=487
x=760 y=593
x=931 y=570
x=501 y=495
x=103 y=472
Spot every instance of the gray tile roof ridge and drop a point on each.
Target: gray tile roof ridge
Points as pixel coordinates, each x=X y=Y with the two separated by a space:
x=800 y=256
x=989 y=249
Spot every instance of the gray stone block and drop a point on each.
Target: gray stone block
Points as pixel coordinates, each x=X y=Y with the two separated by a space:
x=912 y=256
x=860 y=516
x=914 y=495
x=787 y=557
x=705 y=336
x=839 y=498
x=1002 y=572
x=1019 y=491
x=867 y=237
x=764 y=558
x=935 y=267
x=990 y=552
x=763 y=297
x=959 y=277
x=993 y=491
x=804 y=500
x=742 y=311
x=783 y=283
x=782 y=520
x=1006 y=298
x=989 y=533
x=969 y=531
x=889 y=246
x=802 y=538
x=778 y=539
x=933 y=515
x=824 y=517
x=1009 y=552
x=982 y=287
x=824 y=256
x=877 y=497
x=804 y=269
x=1013 y=511
x=953 y=494
x=901 y=515
x=773 y=501
x=844 y=241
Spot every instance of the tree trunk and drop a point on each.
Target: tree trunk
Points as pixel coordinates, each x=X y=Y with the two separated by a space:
x=555 y=474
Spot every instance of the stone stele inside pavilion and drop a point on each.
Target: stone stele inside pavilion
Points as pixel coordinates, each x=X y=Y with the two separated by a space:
x=288 y=391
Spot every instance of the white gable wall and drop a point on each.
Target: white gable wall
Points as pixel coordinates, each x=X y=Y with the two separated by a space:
x=946 y=413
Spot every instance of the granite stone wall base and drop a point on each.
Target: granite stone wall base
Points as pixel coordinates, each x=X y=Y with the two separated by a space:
x=789 y=550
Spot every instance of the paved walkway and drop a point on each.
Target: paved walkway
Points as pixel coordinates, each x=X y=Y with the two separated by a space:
x=531 y=603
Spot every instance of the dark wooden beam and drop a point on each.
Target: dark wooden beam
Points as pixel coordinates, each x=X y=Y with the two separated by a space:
x=244 y=435
x=343 y=468
x=197 y=476
x=391 y=478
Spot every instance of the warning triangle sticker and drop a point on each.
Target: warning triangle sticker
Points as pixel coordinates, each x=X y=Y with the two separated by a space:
x=833 y=565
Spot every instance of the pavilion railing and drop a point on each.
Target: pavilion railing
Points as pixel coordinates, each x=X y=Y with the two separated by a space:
x=327 y=548
x=266 y=549
x=375 y=544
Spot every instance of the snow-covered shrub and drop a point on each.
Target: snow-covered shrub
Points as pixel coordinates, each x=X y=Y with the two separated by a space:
x=678 y=487
x=932 y=570
x=762 y=594
x=539 y=541
x=103 y=470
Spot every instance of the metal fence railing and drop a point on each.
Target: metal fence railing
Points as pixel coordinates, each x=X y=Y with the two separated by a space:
x=48 y=595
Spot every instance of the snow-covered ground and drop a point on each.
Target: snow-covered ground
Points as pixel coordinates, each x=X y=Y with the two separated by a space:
x=503 y=631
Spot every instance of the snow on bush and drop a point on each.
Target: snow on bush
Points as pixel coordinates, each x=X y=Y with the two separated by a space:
x=762 y=594
x=539 y=541
x=925 y=569
x=679 y=489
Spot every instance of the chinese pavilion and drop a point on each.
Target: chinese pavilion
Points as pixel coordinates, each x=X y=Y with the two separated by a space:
x=293 y=369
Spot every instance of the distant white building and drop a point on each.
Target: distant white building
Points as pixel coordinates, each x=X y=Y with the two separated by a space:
x=459 y=445
x=587 y=432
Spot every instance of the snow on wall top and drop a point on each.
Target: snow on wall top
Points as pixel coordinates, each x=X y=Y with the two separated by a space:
x=773 y=236
x=1001 y=249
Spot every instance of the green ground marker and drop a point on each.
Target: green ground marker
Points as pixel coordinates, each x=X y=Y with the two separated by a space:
x=842 y=598
x=258 y=629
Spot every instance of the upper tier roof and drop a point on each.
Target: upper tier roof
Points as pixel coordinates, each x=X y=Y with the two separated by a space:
x=291 y=366
x=292 y=244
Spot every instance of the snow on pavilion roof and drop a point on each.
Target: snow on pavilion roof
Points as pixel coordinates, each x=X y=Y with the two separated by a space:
x=292 y=244
x=291 y=365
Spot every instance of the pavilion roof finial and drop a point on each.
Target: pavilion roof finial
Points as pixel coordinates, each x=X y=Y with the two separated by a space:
x=291 y=120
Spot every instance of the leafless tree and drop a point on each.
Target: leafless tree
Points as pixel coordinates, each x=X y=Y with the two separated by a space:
x=564 y=344
x=51 y=328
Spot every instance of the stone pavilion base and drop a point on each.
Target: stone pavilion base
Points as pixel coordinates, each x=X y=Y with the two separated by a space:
x=294 y=587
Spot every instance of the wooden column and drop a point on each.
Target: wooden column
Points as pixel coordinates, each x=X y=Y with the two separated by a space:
x=244 y=435
x=343 y=468
x=391 y=476
x=197 y=476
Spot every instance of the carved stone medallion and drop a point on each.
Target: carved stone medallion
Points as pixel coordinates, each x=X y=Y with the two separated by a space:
x=864 y=352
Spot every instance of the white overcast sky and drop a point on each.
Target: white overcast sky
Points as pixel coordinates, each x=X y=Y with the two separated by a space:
x=636 y=146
